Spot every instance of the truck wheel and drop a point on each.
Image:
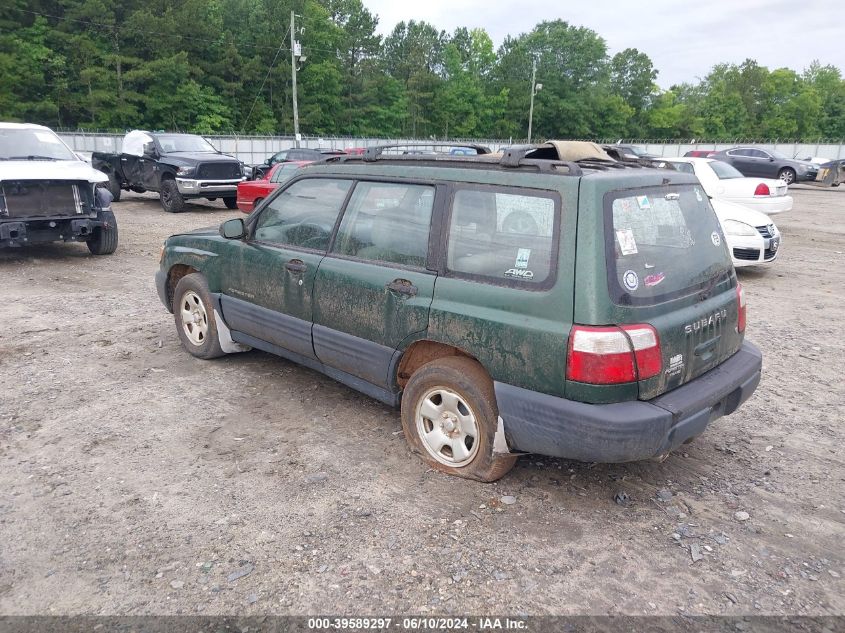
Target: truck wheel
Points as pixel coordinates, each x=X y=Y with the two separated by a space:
x=231 y=203
x=449 y=417
x=104 y=240
x=194 y=314
x=171 y=200
x=114 y=188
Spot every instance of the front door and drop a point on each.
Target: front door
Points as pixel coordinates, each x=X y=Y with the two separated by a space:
x=375 y=286
x=268 y=278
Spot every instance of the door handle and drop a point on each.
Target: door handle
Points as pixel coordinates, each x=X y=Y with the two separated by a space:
x=402 y=287
x=296 y=266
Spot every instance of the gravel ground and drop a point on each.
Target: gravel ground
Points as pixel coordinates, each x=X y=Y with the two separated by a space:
x=135 y=479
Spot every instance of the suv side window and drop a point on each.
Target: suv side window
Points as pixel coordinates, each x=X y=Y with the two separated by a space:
x=387 y=222
x=304 y=214
x=503 y=236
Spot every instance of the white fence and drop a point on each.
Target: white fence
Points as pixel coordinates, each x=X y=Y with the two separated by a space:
x=253 y=150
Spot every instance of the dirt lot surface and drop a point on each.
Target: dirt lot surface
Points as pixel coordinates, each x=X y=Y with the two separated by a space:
x=135 y=479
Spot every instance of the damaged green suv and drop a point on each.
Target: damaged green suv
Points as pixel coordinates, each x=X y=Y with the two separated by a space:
x=514 y=303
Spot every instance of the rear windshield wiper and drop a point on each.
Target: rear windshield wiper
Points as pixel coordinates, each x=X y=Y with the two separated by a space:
x=32 y=157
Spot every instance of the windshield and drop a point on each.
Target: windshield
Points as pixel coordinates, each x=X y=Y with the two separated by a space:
x=778 y=155
x=637 y=150
x=663 y=242
x=724 y=171
x=32 y=144
x=170 y=143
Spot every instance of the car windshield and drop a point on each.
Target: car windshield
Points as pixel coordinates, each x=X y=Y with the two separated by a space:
x=778 y=155
x=635 y=149
x=184 y=143
x=724 y=171
x=32 y=144
x=663 y=242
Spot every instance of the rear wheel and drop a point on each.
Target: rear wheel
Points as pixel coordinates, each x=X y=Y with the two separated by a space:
x=114 y=188
x=231 y=203
x=194 y=314
x=104 y=240
x=171 y=200
x=449 y=417
x=787 y=174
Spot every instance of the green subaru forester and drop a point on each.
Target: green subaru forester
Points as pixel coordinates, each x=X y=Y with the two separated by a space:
x=509 y=304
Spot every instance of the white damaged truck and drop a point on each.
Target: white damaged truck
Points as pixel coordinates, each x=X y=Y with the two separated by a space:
x=49 y=194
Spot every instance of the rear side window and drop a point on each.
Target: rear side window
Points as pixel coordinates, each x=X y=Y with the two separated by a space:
x=662 y=242
x=503 y=236
x=284 y=172
x=304 y=214
x=387 y=222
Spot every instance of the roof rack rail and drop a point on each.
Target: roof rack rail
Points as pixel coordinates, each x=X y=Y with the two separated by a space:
x=373 y=153
x=517 y=157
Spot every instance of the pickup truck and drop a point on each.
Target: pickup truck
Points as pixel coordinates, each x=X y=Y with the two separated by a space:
x=49 y=194
x=178 y=167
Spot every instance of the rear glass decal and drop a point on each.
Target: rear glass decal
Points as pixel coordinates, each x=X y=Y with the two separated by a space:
x=522 y=256
x=643 y=202
x=653 y=280
x=627 y=243
x=698 y=195
x=631 y=280
x=714 y=237
x=519 y=273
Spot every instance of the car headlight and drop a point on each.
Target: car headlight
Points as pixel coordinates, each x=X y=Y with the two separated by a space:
x=733 y=227
x=185 y=171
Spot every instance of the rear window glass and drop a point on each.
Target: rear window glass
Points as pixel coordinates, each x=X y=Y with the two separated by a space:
x=663 y=242
x=502 y=236
x=724 y=171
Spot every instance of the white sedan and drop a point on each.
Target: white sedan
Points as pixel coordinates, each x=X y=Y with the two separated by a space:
x=752 y=236
x=723 y=182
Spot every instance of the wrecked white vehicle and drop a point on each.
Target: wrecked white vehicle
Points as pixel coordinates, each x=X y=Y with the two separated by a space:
x=48 y=194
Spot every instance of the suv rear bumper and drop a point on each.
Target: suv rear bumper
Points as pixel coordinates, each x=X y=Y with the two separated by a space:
x=626 y=431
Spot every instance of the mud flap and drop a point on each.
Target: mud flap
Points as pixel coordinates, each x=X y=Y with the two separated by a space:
x=500 y=443
x=225 y=337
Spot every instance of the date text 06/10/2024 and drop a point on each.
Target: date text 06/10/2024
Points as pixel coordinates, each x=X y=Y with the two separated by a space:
x=416 y=624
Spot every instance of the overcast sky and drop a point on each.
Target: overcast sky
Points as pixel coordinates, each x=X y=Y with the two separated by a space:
x=684 y=39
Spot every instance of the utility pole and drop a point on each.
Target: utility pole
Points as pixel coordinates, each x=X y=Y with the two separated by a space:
x=293 y=54
x=530 y=110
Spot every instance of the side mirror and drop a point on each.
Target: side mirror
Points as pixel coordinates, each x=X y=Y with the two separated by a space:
x=771 y=159
x=233 y=229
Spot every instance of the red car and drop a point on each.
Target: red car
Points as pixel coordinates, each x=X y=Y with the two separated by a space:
x=700 y=153
x=252 y=192
x=356 y=151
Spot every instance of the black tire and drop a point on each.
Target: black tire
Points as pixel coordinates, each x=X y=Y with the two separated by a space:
x=171 y=200
x=104 y=240
x=466 y=379
x=231 y=203
x=256 y=203
x=114 y=188
x=787 y=174
x=200 y=336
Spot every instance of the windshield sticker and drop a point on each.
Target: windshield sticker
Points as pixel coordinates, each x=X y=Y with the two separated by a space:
x=643 y=202
x=519 y=273
x=653 y=280
x=631 y=280
x=714 y=237
x=522 y=256
x=626 y=205
x=44 y=137
x=698 y=194
x=676 y=365
x=672 y=196
x=627 y=243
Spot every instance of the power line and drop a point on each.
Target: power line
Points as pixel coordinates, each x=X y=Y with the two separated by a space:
x=269 y=70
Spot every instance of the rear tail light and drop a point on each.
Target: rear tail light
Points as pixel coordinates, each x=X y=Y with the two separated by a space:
x=740 y=300
x=762 y=190
x=612 y=355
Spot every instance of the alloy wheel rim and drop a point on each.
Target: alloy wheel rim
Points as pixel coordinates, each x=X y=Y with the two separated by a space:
x=447 y=427
x=194 y=318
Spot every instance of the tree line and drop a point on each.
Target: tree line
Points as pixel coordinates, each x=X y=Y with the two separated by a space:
x=222 y=66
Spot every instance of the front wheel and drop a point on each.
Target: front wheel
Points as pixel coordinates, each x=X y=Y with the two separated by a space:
x=231 y=203
x=104 y=240
x=171 y=199
x=787 y=174
x=194 y=315
x=449 y=417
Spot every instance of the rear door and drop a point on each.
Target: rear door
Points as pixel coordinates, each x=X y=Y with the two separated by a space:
x=267 y=279
x=666 y=264
x=374 y=288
